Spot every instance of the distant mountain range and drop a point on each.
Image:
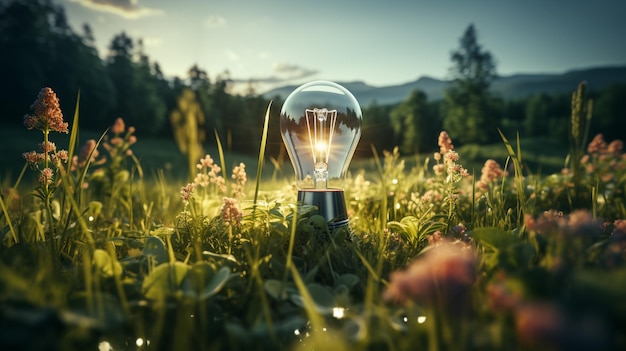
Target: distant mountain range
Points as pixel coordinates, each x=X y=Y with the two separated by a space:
x=511 y=87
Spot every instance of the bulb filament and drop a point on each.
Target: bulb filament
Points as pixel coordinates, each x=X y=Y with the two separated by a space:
x=320 y=124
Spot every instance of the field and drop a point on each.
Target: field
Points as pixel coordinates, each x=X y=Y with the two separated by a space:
x=106 y=245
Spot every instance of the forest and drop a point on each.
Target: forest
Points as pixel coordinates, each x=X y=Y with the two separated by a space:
x=41 y=49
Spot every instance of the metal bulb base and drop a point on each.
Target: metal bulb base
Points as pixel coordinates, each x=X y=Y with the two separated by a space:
x=331 y=204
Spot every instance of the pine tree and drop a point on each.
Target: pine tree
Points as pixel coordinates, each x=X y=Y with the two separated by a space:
x=469 y=107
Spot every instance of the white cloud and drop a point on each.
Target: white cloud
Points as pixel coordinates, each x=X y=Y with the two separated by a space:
x=124 y=8
x=214 y=21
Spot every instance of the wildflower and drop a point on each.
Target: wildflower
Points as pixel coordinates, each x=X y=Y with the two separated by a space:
x=88 y=153
x=597 y=145
x=231 y=214
x=240 y=177
x=501 y=298
x=45 y=176
x=47 y=115
x=435 y=238
x=211 y=172
x=615 y=147
x=186 y=191
x=118 y=127
x=539 y=323
x=446 y=152
x=445 y=143
x=490 y=172
x=47 y=147
x=432 y=196
x=202 y=180
x=33 y=157
x=439 y=169
x=61 y=155
x=441 y=277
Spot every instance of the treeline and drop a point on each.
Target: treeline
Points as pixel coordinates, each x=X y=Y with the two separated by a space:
x=39 y=49
x=472 y=113
x=413 y=124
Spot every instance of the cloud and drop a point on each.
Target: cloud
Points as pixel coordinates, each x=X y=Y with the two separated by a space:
x=124 y=8
x=282 y=73
x=214 y=21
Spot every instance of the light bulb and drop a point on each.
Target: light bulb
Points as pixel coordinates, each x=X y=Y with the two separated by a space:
x=320 y=123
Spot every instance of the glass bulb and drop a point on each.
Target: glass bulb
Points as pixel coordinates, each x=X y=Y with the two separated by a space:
x=320 y=123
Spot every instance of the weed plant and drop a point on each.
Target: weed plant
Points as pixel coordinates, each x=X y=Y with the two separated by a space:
x=100 y=255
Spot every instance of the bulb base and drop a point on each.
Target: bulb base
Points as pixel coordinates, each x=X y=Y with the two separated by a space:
x=331 y=204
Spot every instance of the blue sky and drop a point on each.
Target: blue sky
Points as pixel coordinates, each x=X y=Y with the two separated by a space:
x=278 y=42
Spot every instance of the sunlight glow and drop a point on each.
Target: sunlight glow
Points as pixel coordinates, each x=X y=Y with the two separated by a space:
x=104 y=346
x=338 y=312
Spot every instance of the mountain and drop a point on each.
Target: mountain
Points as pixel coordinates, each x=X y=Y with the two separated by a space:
x=511 y=87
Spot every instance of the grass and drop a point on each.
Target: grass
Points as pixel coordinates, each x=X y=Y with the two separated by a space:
x=433 y=259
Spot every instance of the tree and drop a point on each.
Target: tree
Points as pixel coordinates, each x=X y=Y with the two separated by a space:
x=412 y=123
x=40 y=49
x=138 y=99
x=470 y=112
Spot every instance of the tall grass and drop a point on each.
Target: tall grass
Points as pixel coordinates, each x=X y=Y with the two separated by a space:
x=433 y=258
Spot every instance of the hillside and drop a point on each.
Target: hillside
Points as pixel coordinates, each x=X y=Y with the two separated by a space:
x=508 y=87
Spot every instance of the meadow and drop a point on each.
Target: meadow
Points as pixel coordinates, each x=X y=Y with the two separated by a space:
x=102 y=249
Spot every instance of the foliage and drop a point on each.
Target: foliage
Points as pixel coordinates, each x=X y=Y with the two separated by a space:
x=99 y=256
x=40 y=48
x=469 y=107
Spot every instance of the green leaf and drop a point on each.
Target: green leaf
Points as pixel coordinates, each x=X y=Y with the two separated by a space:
x=155 y=249
x=217 y=283
x=349 y=280
x=323 y=300
x=165 y=280
x=104 y=264
x=495 y=237
x=278 y=290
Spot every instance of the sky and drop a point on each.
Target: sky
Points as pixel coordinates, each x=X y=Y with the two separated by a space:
x=289 y=42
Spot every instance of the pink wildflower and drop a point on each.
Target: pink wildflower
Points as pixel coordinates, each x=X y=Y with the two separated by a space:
x=118 y=127
x=240 y=177
x=445 y=143
x=597 y=145
x=435 y=238
x=441 y=277
x=61 y=155
x=439 y=169
x=33 y=157
x=231 y=214
x=490 y=172
x=46 y=175
x=47 y=115
x=50 y=147
x=615 y=147
x=186 y=191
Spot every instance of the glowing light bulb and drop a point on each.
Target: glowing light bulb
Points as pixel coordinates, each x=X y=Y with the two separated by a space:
x=320 y=123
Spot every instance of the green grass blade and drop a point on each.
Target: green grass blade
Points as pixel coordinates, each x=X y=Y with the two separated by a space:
x=220 y=151
x=259 y=170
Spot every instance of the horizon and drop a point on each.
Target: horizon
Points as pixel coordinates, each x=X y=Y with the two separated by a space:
x=255 y=41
